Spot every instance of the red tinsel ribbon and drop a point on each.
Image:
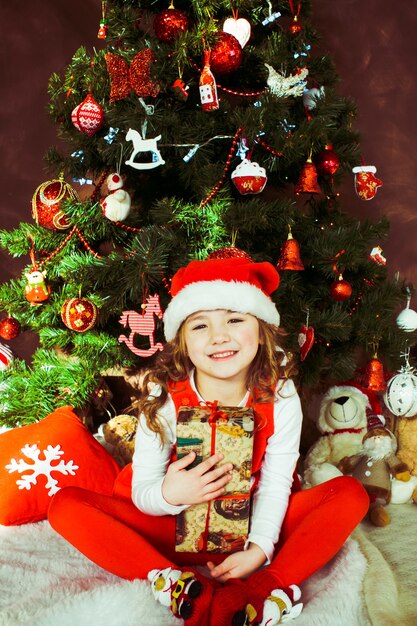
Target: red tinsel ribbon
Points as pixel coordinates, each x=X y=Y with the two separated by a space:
x=216 y=415
x=291 y=3
x=339 y=431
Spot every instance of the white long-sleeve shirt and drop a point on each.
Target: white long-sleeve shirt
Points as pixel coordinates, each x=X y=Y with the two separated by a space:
x=270 y=500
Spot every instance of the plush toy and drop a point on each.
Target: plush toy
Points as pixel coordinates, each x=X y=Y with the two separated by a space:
x=119 y=433
x=406 y=432
x=374 y=466
x=342 y=421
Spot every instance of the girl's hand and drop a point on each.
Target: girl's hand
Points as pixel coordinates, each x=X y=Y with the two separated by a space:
x=238 y=565
x=199 y=484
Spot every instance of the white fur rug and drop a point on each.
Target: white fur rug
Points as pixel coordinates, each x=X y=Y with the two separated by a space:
x=44 y=581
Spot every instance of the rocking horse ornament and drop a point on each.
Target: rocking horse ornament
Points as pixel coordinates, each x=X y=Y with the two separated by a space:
x=141 y=145
x=142 y=324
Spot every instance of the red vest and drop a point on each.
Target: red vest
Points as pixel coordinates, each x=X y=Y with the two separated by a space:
x=183 y=395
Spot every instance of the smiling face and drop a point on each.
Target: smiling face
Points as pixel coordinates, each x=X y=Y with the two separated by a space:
x=221 y=345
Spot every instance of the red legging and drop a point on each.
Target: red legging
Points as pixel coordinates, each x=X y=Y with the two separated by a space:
x=114 y=534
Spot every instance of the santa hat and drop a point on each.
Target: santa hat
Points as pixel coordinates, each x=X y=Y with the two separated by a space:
x=235 y=284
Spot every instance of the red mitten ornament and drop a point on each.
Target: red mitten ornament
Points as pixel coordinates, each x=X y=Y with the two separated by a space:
x=249 y=177
x=305 y=340
x=88 y=116
x=366 y=184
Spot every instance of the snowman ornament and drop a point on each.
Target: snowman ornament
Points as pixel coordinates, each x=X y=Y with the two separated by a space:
x=116 y=206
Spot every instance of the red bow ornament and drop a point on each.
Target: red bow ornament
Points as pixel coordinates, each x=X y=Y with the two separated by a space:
x=137 y=75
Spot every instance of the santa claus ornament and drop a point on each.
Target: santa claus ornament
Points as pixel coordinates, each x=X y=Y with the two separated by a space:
x=88 y=116
x=79 y=314
x=366 y=184
x=116 y=206
x=249 y=177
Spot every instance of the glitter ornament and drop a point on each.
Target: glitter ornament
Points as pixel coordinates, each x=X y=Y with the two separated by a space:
x=327 y=161
x=340 y=290
x=366 y=184
x=47 y=204
x=6 y=357
x=374 y=375
x=116 y=206
x=226 y=54
x=249 y=177
x=239 y=28
x=401 y=393
x=290 y=258
x=79 y=314
x=9 y=328
x=207 y=86
x=137 y=75
x=169 y=24
x=230 y=252
x=88 y=116
x=307 y=181
x=36 y=291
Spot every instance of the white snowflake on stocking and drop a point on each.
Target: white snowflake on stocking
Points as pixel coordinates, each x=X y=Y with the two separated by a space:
x=39 y=466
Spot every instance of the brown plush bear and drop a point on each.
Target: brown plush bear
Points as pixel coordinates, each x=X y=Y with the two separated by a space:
x=406 y=432
x=119 y=433
x=374 y=466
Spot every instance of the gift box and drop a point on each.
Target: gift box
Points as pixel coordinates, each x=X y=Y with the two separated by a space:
x=221 y=525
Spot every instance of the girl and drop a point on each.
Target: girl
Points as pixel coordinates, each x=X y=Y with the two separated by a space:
x=222 y=331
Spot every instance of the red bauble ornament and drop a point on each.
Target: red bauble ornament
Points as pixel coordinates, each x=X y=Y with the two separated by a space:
x=47 y=204
x=226 y=54
x=79 y=314
x=249 y=177
x=230 y=253
x=9 y=328
x=327 y=161
x=169 y=24
x=295 y=27
x=340 y=290
x=88 y=116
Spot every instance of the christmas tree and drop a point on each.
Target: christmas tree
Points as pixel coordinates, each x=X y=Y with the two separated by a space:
x=206 y=128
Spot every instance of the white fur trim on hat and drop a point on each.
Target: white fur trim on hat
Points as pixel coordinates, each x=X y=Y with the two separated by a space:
x=218 y=294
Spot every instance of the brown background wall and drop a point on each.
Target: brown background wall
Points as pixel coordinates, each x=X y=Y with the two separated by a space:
x=372 y=43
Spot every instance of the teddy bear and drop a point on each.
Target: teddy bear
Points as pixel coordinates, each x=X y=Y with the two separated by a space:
x=342 y=423
x=119 y=435
x=375 y=465
x=406 y=432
